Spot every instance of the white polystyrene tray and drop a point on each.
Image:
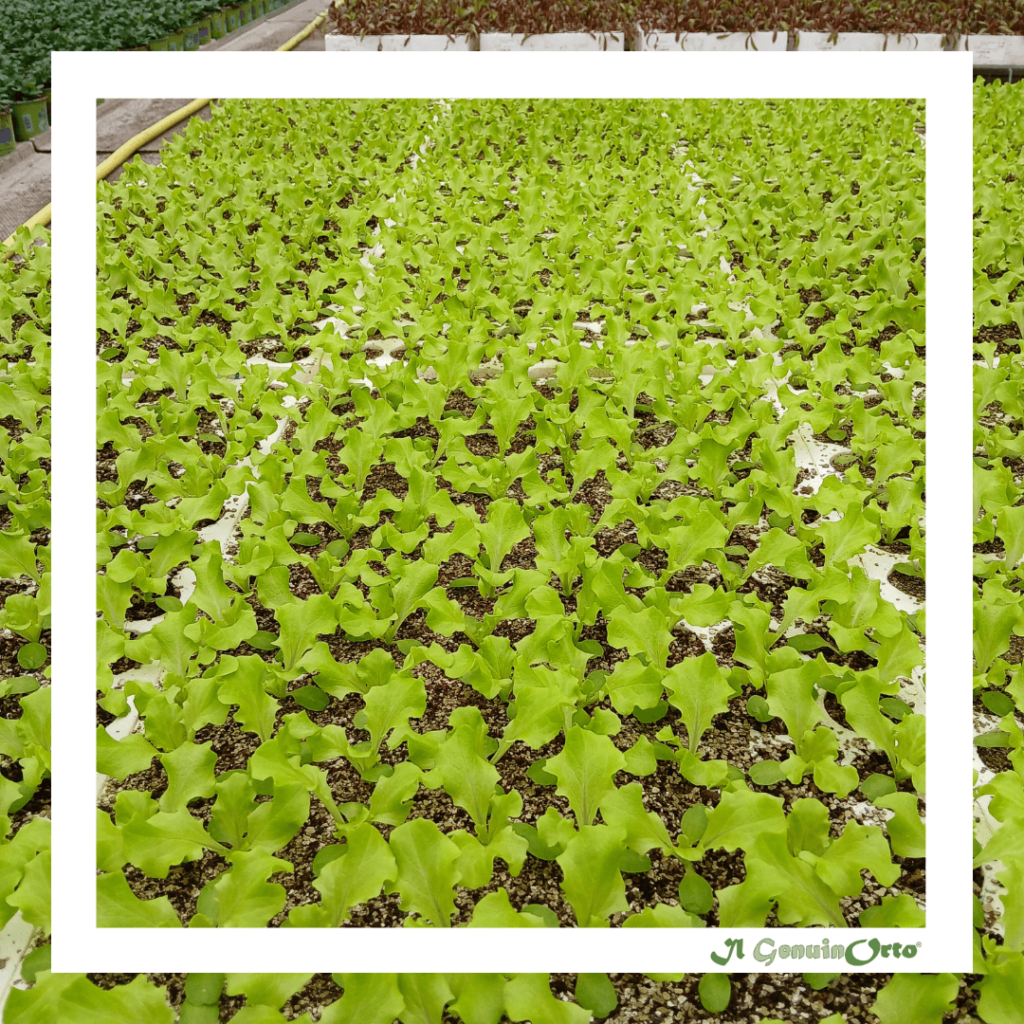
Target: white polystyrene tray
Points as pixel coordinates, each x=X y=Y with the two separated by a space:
x=335 y=42
x=988 y=50
x=16 y=941
x=875 y=41
x=705 y=41
x=997 y=51
x=557 y=41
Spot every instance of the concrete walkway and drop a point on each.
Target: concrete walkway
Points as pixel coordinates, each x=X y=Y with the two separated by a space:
x=24 y=183
x=25 y=173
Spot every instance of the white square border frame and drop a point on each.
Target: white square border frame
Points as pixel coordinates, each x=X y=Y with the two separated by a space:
x=942 y=79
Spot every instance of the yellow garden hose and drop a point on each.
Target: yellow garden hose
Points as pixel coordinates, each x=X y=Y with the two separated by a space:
x=134 y=144
x=306 y=32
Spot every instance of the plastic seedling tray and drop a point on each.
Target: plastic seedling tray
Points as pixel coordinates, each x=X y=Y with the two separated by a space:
x=558 y=41
x=704 y=41
x=398 y=42
x=997 y=51
x=874 y=41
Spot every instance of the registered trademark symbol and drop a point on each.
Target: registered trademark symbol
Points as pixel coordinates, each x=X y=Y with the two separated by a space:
x=918 y=945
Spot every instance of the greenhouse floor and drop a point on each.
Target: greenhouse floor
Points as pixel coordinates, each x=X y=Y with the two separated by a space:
x=24 y=183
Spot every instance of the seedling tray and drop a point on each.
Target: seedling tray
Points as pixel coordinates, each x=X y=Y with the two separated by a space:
x=25 y=600
x=478 y=998
x=696 y=42
x=335 y=42
x=874 y=41
x=554 y=41
x=546 y=556
x=997 y=51
x=998 y=378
